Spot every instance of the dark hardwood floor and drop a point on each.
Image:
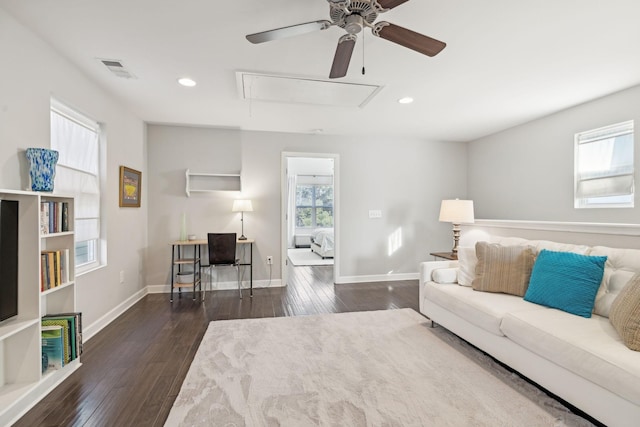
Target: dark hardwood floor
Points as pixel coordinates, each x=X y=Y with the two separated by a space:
x=133 y=369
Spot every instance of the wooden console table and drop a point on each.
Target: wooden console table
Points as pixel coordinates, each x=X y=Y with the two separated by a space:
x=451 y=256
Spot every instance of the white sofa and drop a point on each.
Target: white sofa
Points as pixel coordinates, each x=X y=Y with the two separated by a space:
x=581 y=360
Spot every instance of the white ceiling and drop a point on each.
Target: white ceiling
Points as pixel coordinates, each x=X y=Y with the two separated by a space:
x=506 y=62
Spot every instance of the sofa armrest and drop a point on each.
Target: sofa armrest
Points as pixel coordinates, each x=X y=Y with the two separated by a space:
x=426 y=268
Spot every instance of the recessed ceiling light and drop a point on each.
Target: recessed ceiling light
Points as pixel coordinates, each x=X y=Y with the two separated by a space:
x=186 y=81
x=405 y=100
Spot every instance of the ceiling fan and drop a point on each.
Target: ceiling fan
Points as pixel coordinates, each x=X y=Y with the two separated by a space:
x=353 y=15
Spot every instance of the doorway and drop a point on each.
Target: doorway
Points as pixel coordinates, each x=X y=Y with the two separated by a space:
x=309 y=213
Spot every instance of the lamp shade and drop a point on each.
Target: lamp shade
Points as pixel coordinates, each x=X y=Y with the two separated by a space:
x=242 y=206
x=456 y=211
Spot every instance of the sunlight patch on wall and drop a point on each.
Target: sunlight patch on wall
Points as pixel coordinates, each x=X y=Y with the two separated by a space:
x=394 y=241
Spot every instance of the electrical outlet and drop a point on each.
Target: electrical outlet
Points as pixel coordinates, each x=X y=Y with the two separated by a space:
x=121 y=276
x=269 y=260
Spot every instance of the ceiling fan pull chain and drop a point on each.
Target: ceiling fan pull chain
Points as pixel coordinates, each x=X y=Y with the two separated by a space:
x=363 y=53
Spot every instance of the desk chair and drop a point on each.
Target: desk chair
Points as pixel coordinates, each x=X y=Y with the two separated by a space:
x=222 y=253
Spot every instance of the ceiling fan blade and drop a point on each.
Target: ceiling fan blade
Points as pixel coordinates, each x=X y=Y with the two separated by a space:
x=407 y=38
x=342 y=57
x=390 y=4
x=292 y=30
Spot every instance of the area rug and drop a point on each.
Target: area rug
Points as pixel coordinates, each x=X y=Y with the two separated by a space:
x=304 y=256
x=377 y=368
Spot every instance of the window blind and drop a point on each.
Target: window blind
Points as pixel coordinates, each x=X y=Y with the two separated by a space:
x=604 y=162
x=76 y=138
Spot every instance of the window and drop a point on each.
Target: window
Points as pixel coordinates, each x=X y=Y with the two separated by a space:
x=604 y=171
x=77 y=139
x=314 y=206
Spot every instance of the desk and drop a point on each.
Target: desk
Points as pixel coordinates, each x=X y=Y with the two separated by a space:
x=178 y=260
x=196 y=263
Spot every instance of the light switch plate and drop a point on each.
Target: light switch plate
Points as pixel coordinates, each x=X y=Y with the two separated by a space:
x=376 y=213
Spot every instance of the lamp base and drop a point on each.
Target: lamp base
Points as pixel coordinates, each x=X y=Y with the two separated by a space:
x=242 y=237
x=456 y=238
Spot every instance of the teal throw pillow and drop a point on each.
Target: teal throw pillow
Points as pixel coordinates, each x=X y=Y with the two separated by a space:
x=566 y=281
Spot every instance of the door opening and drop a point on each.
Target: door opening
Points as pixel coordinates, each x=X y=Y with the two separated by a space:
x=310 y=215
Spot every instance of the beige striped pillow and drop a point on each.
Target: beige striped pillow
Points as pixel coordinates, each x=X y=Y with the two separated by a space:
x=504 y=269
x=625 y=313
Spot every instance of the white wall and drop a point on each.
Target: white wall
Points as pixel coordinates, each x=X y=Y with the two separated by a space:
x=31 y=73
x=406 y=179
x=526 y=173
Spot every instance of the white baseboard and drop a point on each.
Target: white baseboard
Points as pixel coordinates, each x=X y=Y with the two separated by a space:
x=98 y=325
x=220 y=286
x=378 y=278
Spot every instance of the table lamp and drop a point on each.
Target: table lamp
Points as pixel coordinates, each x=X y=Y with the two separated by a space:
x=456 y=212
x=242 y=206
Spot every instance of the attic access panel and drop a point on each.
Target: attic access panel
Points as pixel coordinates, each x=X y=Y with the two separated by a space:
x=296 y=90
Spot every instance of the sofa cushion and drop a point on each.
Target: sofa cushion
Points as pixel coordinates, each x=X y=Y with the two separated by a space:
x=588 y=347
x=504 y=269
x=559 y=247
x=566 y=281
x=468 y=259
x=620 y=267
x=483 y=309
x=542 y=244
x=625 y=313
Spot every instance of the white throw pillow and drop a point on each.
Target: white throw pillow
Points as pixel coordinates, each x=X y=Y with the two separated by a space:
x=467 y=261
x=444 y=275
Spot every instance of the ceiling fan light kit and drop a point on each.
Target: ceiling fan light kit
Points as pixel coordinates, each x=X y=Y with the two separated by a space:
x=352 y=16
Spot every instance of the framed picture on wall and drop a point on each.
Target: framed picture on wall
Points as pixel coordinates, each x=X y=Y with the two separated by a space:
x=130 y=187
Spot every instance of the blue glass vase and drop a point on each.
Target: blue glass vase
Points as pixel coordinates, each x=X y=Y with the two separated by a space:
x=42 y=169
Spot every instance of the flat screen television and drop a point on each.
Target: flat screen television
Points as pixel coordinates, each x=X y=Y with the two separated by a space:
x=8 y=259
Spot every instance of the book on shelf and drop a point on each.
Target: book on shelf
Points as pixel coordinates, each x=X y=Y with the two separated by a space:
x=72 y=328
x=44 y=273
x=54 y=268
x=66 y=333
x=54 y=217
x=53 y=346
x=75 y=336
x=44 y=218
x=64 y=265
x=65 y=216
x=49 y=267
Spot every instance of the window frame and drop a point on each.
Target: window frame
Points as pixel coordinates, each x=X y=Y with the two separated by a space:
x=314 y=206
x=604 y=201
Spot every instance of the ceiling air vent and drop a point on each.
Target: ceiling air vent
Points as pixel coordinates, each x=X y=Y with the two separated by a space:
x=116 y=67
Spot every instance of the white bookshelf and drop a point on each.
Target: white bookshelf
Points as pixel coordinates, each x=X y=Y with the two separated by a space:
x=22 y=383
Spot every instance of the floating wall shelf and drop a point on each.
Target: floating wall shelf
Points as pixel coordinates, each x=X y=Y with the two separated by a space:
x=211 y=182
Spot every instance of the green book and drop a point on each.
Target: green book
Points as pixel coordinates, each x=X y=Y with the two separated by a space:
x=53 y=346
x=75 y=331
x=68 y=338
